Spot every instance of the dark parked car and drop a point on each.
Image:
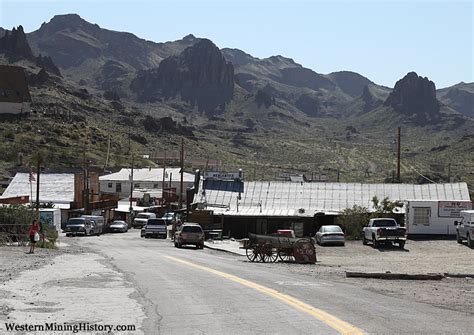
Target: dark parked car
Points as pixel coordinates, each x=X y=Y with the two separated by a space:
x=118 y=226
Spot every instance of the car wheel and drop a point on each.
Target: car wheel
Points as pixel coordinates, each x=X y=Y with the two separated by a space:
x=401 y=245
x=458 y=238
x=470 y=243
x=364 y=241
x=175 y=245
x=375 y=242
x=201 y=246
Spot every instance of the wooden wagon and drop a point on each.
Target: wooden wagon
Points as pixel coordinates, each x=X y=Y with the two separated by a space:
x=267 y=248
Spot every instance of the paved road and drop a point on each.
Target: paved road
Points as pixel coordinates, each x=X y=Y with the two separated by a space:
x=190 y=291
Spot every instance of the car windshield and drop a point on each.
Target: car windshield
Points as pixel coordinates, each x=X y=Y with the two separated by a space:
x=385 y=223
x=76 y=221
x=118 y=222
x=192 y=229
x=332 y=229
x=156 y=222
x=142 y=216
x=168 y=216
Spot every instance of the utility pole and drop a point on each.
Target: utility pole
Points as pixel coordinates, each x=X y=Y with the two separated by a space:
x=84 y=178
x=131 y=187
x=108 y=152
x=38 y=172
x=182 y=172
x=449 y=172
x=164 y=176
x=398 y=154
x=129 y=138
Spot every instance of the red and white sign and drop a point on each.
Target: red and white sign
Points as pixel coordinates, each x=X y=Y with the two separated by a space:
x=451 y=209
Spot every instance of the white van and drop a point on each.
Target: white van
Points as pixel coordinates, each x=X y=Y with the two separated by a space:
x=142 y=218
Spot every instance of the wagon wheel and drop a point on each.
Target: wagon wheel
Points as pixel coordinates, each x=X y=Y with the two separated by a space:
x=270 y=255
x=285 y=256
x=253 y=254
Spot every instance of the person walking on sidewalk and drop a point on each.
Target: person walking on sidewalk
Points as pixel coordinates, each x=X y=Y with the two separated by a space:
x=34 y=235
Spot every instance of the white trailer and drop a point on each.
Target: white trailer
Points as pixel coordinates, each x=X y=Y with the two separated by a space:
x=428 y=217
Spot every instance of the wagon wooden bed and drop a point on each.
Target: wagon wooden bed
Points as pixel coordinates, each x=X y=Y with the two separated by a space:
x=268 y=249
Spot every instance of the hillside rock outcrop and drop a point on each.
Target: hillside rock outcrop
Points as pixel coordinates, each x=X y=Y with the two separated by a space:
x=15 y=45
x=200 y=75
x=415 y=97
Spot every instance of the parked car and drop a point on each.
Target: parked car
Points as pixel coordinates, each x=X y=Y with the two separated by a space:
x=330 y=235
x=465 y=228
x=169 y=217
x=189 y=233
x=118 y=226
x=141 y=219
x=155 y=228
x=384 y=230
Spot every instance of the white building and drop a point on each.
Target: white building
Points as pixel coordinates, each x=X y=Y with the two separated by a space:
x=146 y=178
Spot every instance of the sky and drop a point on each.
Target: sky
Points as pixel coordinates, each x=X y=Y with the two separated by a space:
x=382 y=40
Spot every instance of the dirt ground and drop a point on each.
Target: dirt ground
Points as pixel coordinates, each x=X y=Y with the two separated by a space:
x=60 y=277
x=418 y=257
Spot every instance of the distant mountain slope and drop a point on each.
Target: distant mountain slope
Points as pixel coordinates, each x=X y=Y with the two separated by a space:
x=97 y=56
x=459 y=97
x=200 y=75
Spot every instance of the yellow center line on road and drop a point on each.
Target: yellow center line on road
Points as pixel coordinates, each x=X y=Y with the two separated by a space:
x=332 y=321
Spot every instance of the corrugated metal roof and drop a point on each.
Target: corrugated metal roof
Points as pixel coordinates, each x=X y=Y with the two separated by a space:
x=328 y=197
x=54 y=187
x=147 y=174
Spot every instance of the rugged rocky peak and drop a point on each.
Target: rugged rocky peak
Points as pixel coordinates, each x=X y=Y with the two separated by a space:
x=350 y=83
x=415 y=97
x=71 y=22
x=15 y=45
x=237 y=57
x=46 y=63
x=281 y=62
x=189 y=37
x=200 y=75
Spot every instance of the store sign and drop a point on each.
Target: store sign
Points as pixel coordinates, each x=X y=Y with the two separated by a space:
x=451 y=209
x=223 y=175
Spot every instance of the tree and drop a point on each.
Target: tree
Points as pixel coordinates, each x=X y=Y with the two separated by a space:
x=385 y=206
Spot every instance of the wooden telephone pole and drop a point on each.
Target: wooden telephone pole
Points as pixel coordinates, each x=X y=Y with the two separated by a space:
x=182 y=172
x=398 y=154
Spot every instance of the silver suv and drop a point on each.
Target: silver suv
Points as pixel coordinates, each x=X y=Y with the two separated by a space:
x=189 y=233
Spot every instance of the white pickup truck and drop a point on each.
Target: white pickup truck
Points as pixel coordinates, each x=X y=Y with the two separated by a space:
x=465 y=228
x=383 y=230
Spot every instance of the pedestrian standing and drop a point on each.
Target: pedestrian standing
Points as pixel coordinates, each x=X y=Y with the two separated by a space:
x=34 y=235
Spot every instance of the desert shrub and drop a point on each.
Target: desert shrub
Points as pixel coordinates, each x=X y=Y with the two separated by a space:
x=14 y=223
x=352 y=221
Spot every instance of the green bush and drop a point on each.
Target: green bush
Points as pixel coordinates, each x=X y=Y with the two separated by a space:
x=352 y=221
x=14 y=223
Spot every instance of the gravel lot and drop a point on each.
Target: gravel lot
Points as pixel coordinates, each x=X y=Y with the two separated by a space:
x=419 y=257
